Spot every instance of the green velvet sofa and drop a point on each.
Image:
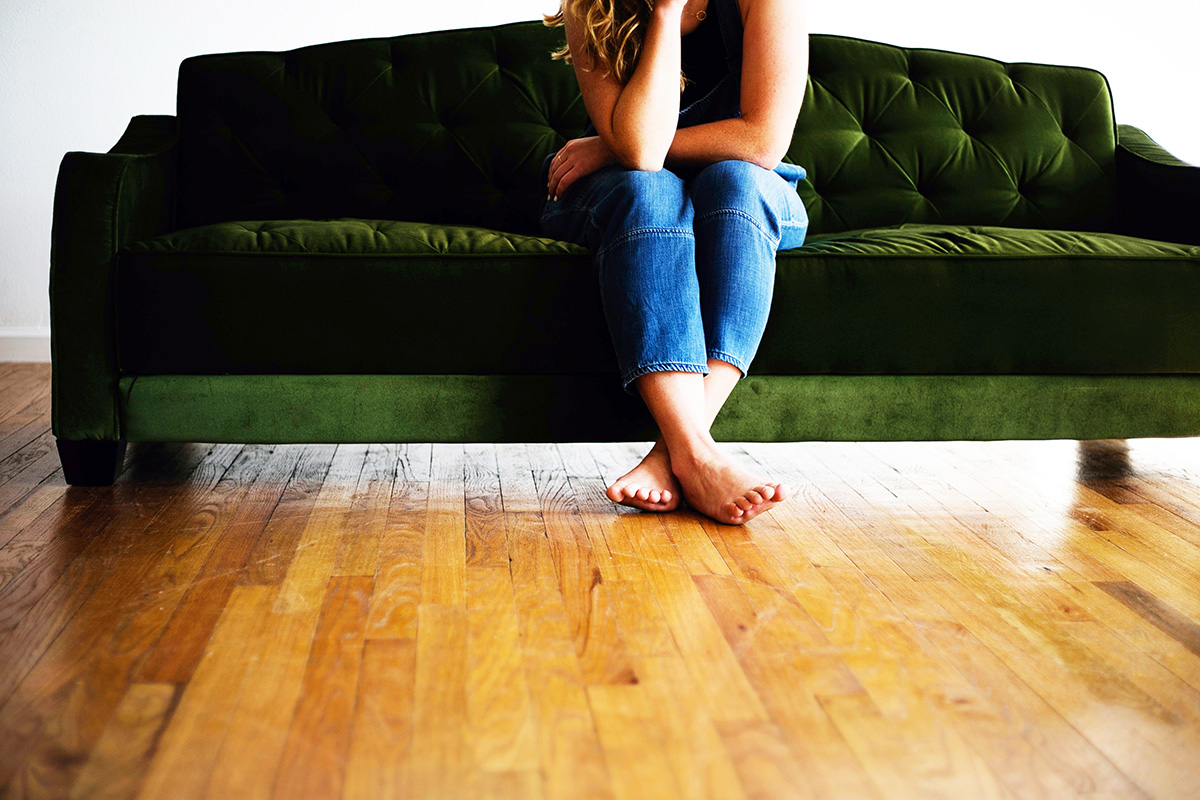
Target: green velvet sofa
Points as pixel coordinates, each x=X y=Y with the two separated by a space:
x=339 y=243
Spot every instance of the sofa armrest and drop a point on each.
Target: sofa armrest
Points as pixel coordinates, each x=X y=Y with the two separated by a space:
x=102 y=201
x=1157 y=194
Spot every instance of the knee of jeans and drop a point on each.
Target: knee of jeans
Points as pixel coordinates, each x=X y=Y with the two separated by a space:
x=739 y=186
x=641 y=199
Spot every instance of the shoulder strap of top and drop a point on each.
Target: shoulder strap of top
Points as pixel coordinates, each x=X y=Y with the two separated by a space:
x=730 y=18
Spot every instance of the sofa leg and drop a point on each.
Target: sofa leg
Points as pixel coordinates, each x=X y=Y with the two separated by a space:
x=91 y=462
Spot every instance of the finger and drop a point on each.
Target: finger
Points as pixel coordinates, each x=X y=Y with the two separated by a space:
x=556 y=175
x=565 y=182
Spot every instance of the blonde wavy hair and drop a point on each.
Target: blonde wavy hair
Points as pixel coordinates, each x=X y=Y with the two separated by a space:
x=612 y=33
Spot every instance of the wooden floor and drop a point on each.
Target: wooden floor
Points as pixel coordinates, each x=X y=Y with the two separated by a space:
x=923 y=620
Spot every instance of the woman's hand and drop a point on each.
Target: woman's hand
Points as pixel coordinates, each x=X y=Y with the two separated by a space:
x=577 y=159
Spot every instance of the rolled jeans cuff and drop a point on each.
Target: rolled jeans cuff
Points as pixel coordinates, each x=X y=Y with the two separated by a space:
x=720 y=355
x=661 y=366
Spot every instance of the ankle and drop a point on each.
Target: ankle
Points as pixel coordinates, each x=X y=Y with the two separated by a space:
x=695 y=454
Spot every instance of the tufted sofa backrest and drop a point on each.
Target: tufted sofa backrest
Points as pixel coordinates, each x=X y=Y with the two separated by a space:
x=891 y=135
x=452 y=127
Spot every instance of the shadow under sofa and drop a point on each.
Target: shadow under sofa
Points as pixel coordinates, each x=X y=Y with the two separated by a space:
x=313 y=250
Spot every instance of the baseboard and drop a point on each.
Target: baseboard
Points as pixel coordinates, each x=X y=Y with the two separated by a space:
x=24 y=344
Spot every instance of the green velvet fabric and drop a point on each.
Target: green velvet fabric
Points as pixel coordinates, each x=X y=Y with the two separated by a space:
x=891 y=135
x=101 y=202
x=469 y=408
x=983 y=300
x=447 y=127
x=1159 y=194
x=355 y=296
x=451 y=127
x=352 y=296
x=341 y=237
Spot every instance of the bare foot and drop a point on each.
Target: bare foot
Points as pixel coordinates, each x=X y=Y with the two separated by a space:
x=716 y=486
x=650 y=486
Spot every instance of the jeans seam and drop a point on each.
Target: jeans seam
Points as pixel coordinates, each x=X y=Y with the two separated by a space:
x=737 y=212
x=638 y=233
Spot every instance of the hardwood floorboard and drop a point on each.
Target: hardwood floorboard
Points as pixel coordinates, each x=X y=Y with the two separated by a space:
x=581 y=564
x=631 y=734
x=45 y=595
x=484 y=509
x=116 y=764
x=252 y=745
x=443 y=764
x=303 y=587
x=443 y=556
x=318 y=743
x=275 y=547
x=359 y=554
x=187 y=755
x=91 y=656
x=918 y=620
x=209 y=551
x=500 y=713
x=22 y=427
x=381 y=741
x=393 y=612
x=1082 y=695
x=569 y=751
x=19 y=388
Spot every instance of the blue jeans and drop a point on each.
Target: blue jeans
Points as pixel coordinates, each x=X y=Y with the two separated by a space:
x=686 y=266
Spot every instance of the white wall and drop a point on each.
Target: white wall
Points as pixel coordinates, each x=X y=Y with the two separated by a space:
x=73 y=72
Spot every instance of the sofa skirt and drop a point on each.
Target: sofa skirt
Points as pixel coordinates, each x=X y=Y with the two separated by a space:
x=533 y=408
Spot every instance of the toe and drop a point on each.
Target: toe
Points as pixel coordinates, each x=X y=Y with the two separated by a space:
x=743 y=503
x=767 y=490
x=756 y=497
x=642 y=493
x=666 y=495
x=782 y=491
x=615 y=493
x=733 y=514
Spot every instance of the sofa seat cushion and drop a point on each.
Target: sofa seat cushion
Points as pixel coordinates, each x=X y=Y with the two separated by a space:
x=356 y=296
x=947 y=299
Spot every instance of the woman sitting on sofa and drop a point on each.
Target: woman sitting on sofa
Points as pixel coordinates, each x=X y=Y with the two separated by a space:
x=678 y=189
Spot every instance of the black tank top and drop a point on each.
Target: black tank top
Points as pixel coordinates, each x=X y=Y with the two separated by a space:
x=703 y=60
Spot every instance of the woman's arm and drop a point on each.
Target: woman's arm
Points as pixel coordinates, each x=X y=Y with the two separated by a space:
x=637 y=121
x=774 y=76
